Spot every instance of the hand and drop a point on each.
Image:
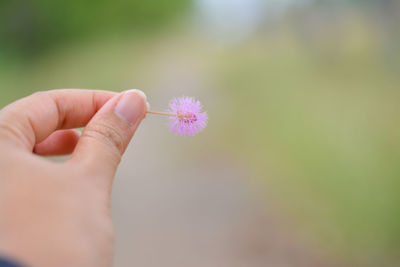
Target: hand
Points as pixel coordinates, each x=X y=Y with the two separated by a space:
x=58 y=214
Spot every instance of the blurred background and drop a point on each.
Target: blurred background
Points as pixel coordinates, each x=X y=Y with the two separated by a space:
x=300 y=162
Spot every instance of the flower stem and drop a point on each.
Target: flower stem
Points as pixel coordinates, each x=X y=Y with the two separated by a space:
x=161 y=113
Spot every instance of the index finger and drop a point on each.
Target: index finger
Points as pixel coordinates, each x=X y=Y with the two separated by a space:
x=30 y=120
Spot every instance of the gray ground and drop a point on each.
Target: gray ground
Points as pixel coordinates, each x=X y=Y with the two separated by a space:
x=171 y=209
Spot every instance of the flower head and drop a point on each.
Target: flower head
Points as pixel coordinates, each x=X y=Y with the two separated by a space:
x=189 y=118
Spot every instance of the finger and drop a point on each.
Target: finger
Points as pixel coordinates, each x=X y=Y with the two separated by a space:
x=61 y=142
x=32 y=119
x=107 y=135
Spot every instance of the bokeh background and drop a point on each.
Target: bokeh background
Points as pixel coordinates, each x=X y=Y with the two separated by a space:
x=300 y=162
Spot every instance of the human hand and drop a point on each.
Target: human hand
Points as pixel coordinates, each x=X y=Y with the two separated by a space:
x=58 y=214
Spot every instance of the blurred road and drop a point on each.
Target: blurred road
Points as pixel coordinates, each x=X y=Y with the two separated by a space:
x=194 y=212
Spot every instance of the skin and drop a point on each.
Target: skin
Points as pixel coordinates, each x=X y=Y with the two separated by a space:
x=58 y=214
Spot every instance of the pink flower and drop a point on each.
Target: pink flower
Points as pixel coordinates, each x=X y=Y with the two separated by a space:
x=189 y=118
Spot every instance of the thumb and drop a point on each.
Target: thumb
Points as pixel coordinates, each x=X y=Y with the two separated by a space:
x=108 y=133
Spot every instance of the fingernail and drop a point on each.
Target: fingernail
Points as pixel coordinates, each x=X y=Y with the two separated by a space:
x=132 y=106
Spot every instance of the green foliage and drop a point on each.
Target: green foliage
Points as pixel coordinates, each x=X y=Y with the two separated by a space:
x=28 y=27
x=321 y=133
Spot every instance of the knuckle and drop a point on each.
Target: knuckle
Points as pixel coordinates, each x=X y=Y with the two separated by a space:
x=7 y=128
x=108 y=135
x=8 y=131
